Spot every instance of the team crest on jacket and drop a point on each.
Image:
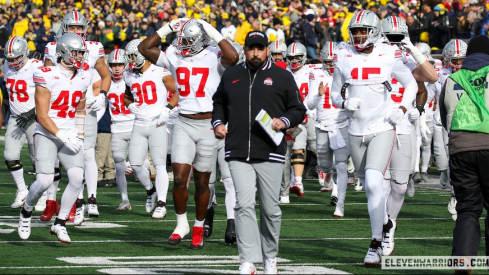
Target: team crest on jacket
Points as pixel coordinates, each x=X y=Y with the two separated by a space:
x=268 y=81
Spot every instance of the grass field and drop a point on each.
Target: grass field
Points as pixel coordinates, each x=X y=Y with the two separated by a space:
x=130 y=242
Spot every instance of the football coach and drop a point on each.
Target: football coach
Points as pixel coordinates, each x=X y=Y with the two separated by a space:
x=255 y=161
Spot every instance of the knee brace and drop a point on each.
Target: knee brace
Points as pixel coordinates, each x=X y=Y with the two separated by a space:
x=57 y=174
x=297 y=159
x=14 y=165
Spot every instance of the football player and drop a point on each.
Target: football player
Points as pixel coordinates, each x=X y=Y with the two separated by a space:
x=366 y=69
x=18 y=71
x=122 y=121
x=60 y=105
x=146 y=97
x=197 y=68
x=75 y=22
x=331 y=125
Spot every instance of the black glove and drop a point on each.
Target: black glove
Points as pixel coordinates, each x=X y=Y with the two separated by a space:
x=25 y=117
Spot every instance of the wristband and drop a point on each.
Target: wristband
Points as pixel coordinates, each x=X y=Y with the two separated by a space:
x=420 y=108
x=103 y=92
x=169 y=106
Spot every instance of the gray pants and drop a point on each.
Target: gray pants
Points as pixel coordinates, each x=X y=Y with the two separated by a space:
x=120 y=144
x=148 y=137
x=426 y=146
x=372 y=151
x=285 y=188
x=15 y=137
x=325 y=153
x=47 y=149
x=439 y=148
x=255 y=245
x=402 y=154
x=223 y=167
x=307 y=138
x=91 y=128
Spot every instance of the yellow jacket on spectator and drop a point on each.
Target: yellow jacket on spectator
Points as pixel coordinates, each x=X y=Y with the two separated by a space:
x=241 y=32
x=344 y=28
x=20 y=28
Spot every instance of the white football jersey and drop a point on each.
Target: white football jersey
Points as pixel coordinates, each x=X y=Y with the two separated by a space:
x=366 y=75
x=122 y=119
x=149 y=93
x=95 y=51
x=443 y=75
x=196 y=77
x=433 y=89
x=20 y=86
x=328 y=116
x=66 y=93
x=302 y=80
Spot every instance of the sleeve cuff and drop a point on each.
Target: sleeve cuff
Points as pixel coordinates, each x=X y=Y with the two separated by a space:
x=286 y=121
x=216 y=123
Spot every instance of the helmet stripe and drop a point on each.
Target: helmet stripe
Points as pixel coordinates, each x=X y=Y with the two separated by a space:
x=75 y=14
x=276 y=44
x=394 y=23
x=116 y=54
x=183 y=26
x=457 y=47
x=359 y=16
x=293 y=47
x=10 y=45
x=330 y=49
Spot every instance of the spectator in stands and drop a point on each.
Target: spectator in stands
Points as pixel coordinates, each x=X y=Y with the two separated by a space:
x=242 y=29
x=21 y=26
x=276 y=33
x=45 y=38
x=229 y=30
x=56 y=20
x=311 y=36
x=103 y=153
x=413 y=28
x=4 y=33
x=297 y=33
x=475 y=25
x=31 y=36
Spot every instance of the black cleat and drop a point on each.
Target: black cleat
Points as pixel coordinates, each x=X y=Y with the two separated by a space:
x=230 y=235
x=209 y=222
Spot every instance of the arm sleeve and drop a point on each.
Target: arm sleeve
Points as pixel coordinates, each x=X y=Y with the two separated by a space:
x=338 y=82
x=295 y=109
x=312 y=97
x=219 y=106
x=406 y=78
x=443 y=110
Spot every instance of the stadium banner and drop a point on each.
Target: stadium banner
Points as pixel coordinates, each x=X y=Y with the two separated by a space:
x=435 y=262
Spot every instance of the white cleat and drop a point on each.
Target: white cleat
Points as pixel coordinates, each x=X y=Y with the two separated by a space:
x=350 y=168
x=388 y=240
x=92 y=210
x=452 y=203
x=80 y=215
x=410 y=188
x=270 y=266
x=24 y=229
x=160 y=211
x=20 y=197
x=444 y=180
x=358 y=185
x=125 y=205
x=150 y=202
x=41 y=203
x=247 y=268
x=321 y=177
x=60 y=232
x=339 y=212
x=328 y=183
x=374 y=254
x=454 y=217
x=284 y=200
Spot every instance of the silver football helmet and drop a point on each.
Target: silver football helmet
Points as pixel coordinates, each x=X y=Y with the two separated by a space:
x=16 y=51
x=192 y=38
x=277 y=47
x=328 y=54
x=394 y=29
x=117 y=56
x=58 y=34
x=364 y=20
x=74 y=18
x=134 y=57
x=454 y=49
x=240 y=51
x=296 y=49
x=424 y=48
x=72 y=50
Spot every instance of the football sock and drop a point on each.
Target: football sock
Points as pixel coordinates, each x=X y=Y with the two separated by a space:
x=91 y=172
x=42 y=183
x=376 y=203
x=75 y=185
x=212 y=193
x=143 y=175
x=161 y=182
x=19 y=179
x=341 y=181
x=120 y=178
x=199 y=223
x=396 y=199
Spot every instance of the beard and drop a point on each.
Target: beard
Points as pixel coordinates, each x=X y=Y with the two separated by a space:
x=256 y=63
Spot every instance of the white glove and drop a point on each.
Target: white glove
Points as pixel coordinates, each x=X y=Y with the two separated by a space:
x=97 y=103
x=211 y=31
x=74 y=144
x=164 y=116
x=424 y=130
x=133 y=107
x=395 y=117
x=172 y=26
x=413 y=115
x=415 y=52
x=352 y=104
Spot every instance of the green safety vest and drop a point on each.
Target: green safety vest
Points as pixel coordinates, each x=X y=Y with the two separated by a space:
x=471 y=113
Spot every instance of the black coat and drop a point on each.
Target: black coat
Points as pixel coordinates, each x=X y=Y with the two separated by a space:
x=237 y=103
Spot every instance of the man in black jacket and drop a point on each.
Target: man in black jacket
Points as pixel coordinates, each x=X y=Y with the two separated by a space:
x=255 y=161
